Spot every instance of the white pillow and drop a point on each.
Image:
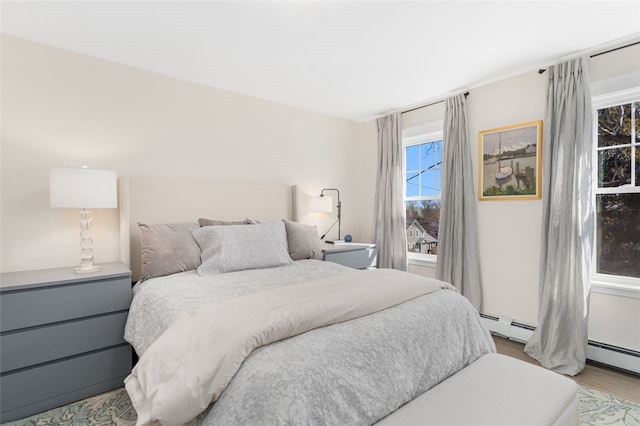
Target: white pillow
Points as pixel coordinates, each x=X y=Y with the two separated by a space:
x=303 y=240
x=239 y=247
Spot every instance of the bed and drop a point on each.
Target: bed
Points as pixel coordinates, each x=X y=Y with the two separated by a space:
x=261 y=331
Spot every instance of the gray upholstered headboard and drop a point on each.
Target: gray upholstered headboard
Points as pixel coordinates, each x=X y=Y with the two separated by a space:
x=157 y=200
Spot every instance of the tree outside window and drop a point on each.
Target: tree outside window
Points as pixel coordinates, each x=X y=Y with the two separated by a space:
x=617 y=190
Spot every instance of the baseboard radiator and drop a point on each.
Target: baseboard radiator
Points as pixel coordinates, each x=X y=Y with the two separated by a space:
x=613 y=356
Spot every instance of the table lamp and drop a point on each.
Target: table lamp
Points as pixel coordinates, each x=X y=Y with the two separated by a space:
x=83 y=189
x=326 y=206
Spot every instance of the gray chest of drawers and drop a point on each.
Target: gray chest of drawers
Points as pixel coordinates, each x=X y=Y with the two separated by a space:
x=61 y=337
x=353 y=255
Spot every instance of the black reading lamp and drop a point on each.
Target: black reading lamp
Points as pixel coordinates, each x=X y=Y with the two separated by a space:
x=338 y=221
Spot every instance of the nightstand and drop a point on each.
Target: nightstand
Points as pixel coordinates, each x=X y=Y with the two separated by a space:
x=61 y=337
x=353 y=255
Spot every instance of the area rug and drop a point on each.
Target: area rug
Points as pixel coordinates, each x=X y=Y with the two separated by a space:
x=599 y=409
x=111 y=408
x=114 y=408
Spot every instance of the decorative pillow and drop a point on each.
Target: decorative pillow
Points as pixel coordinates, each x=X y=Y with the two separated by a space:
x=304 y=241
x=238 y=247
x=168 y=248
x=213 y=222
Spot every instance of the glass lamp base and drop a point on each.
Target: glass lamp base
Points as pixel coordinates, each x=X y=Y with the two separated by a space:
x=86 y=245
x=87 y=270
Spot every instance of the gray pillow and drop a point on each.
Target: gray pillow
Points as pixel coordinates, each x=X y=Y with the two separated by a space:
x=168 y=248
x=304 y=241
x=213 y=222
x=238 y=247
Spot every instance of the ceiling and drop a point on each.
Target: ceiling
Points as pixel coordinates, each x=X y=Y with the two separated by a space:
x=356 y=60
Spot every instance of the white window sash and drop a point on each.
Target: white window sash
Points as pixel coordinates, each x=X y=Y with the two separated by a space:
x=418 y=136
x=604 y=283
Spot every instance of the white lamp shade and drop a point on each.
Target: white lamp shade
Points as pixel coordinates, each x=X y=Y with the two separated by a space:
x=83 y=188
x=322 y=204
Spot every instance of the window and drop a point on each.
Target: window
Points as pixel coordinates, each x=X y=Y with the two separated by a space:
x=423 y=174
x=617 y=189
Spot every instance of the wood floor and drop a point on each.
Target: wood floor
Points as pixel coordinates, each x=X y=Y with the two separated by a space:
x=595 y=376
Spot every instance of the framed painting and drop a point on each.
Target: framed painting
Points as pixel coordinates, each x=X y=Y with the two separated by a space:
x=510 y=162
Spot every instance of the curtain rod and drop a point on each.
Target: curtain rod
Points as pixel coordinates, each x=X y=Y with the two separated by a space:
x=432 y=103
x=614 y=49
x=541 y=70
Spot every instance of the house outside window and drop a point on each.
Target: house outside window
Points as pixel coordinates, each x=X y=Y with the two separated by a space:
x=616 y=185
x=423 y=176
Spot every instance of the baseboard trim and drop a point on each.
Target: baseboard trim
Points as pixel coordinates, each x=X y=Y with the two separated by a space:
x=616 y=357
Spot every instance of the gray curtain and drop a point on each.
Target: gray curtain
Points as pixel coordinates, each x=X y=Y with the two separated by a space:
x=458 y=258
x=560 y=341
x=390 y=235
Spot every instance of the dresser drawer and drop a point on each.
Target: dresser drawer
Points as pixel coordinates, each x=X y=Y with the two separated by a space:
x=35 y=385
x=33 y=346
x=33 y=307
x=358 y=259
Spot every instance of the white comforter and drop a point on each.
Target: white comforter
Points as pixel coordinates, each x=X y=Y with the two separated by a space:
x=158 y=302
x=353 y=372
x=190 y=365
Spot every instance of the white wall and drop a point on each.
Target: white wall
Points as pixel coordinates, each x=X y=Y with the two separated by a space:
x=366 y=169
x=62 y=109
x=509 y=231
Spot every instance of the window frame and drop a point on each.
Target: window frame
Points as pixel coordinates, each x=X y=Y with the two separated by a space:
x=431 y=132
x=605 y=283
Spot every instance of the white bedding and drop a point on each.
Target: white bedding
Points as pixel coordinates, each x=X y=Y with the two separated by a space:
x=158 y=302
x=354 y=372
x=211 y=342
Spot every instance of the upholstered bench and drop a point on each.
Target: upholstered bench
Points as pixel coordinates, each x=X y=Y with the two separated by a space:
x=495 y=390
